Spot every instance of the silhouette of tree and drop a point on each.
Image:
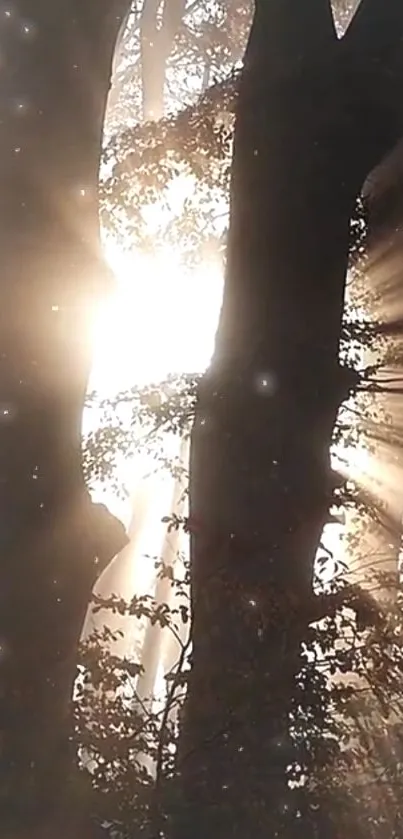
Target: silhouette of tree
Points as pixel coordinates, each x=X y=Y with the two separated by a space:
x=260 y=478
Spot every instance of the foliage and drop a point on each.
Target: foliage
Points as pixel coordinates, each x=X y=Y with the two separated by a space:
x=134 y=421
x=111 y=732
x=210 y=40
x=126 y=745
x=188 y=154
x=364 y=778
x=346 y=721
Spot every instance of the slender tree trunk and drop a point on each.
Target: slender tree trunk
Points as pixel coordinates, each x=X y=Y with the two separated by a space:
x=56 y=61
x=314 y=116
x=157 y=38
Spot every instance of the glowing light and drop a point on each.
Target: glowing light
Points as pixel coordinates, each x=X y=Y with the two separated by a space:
x=160 y=320
x=27 y=29
x=20 y=106
x=266 y=384
x=7 y=412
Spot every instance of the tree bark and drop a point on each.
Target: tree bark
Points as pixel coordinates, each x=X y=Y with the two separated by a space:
x=56 y=65
x=314 y=116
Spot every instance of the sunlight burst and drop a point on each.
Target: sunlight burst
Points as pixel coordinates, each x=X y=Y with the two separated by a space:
x=161 y=320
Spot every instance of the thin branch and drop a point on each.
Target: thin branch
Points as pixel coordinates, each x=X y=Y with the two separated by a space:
x=160 y=747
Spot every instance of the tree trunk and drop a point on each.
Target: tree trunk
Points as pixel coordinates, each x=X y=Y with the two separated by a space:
x=156 y=42
x=56 y=63
x=314 y=116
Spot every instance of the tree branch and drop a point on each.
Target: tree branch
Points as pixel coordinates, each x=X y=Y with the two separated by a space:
x=376 y=29
x=285 y=33
x=367 y=611
x=372 y=57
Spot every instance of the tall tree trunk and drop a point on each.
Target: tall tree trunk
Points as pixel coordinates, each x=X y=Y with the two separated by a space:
x=314 y=116
x=159 y=25
x=56 y=64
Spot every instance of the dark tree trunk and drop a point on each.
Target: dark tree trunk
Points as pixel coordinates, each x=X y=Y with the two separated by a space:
x=55 y=76
x=314 y=116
